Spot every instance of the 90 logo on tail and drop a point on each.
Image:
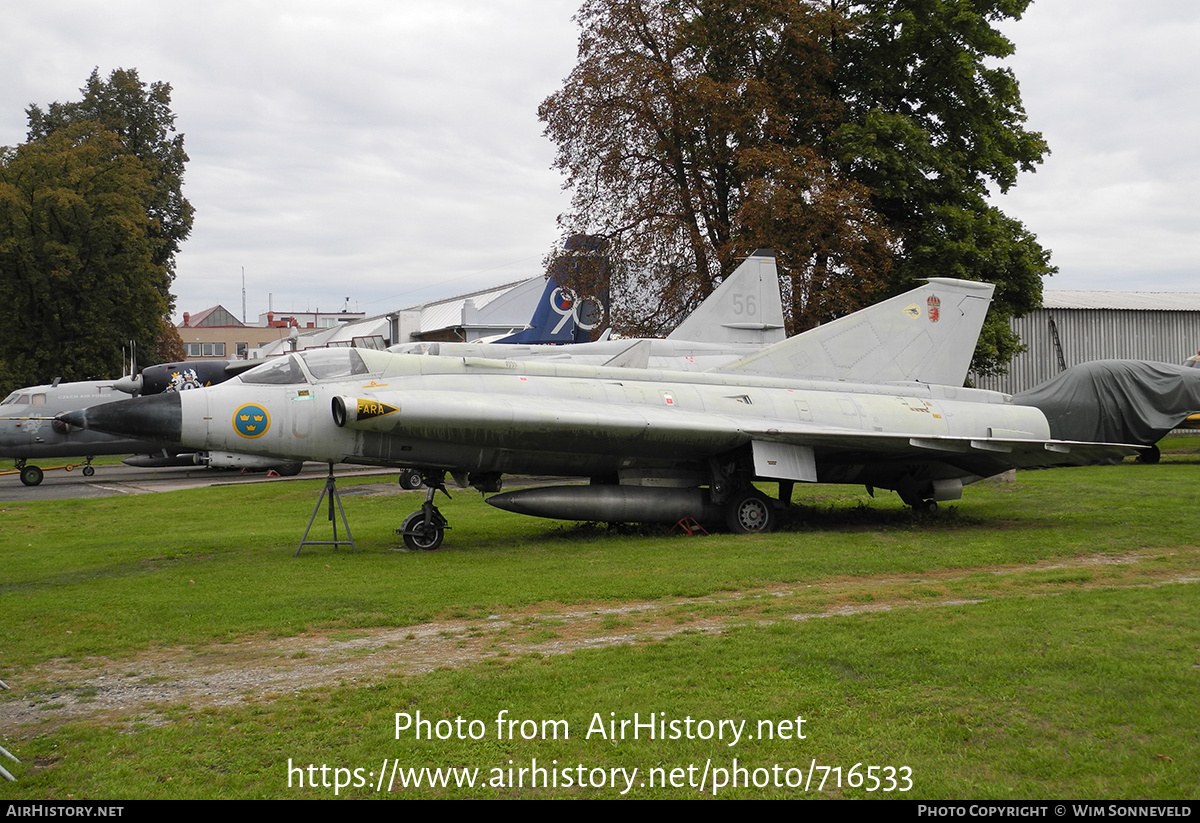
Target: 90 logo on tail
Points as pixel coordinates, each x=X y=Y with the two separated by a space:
x=586 y=313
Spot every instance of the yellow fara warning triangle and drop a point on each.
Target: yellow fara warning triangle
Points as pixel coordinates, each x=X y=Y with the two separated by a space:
x=373 y=408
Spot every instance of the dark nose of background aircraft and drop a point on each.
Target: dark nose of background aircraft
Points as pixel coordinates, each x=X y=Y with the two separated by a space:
x=158 y=418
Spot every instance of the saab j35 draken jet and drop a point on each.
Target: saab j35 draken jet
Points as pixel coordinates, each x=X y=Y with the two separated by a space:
x=874 y=398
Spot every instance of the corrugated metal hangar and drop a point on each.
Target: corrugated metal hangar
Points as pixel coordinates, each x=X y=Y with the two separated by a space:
x=1075 y=327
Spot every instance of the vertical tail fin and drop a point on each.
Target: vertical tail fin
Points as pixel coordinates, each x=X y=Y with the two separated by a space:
x=926 y=335
x=554 y=320
x=745 y=309
x=560 y=316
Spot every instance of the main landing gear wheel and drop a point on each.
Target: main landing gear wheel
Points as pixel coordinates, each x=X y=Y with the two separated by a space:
x=926 y=506
x=290 y=469
x=1150 y=456
x=421 y=537
x=31 y=475
x=750 y=513
x=410 y=480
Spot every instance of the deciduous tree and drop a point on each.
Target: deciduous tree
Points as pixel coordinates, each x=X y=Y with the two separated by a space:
x=856 y=137
x=141 y=116
x=686 y=133
x=932 y=119
x=92 y=215
x=79 y=275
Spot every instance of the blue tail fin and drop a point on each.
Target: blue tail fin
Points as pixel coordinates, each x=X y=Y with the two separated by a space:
x=560 y=317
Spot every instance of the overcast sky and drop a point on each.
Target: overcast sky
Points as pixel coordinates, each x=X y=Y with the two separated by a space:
x=390 y=151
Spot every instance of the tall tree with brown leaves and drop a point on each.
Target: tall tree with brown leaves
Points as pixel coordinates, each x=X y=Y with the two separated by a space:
x=858 y=138
x=686 y=133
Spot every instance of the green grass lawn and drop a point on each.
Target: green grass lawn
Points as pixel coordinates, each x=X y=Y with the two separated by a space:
x=1039 y=638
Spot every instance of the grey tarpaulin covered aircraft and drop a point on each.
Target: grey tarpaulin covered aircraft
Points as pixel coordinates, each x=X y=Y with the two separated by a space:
x=1126 y=401
x=874 y=398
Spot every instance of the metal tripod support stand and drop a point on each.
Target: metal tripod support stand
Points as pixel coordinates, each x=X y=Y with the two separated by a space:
x=331 y=491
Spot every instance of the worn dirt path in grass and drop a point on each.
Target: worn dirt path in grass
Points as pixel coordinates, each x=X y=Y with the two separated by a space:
x=257 y=668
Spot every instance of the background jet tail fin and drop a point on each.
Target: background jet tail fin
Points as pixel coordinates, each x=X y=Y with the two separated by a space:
x=745 y=309
x=553 y=319
x=560 y=316
x=926 y=335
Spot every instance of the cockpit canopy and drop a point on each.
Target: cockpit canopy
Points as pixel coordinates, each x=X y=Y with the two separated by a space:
x=308 y=367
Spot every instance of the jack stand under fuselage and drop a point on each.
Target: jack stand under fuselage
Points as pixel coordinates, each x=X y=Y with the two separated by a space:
x=330 y=489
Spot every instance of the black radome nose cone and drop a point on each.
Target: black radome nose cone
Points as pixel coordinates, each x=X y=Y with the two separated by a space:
x=158 y=418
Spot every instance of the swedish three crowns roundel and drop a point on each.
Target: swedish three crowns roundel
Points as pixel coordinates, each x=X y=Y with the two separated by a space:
x=251 y=420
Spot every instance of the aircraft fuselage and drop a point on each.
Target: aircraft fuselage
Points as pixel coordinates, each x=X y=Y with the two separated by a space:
x=28 y=430
x=490 y=416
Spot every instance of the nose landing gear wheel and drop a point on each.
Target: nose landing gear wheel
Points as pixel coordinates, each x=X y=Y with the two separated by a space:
x=750 y=513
